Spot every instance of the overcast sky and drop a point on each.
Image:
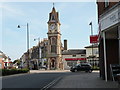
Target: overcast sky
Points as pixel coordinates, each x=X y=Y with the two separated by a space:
x=74 y=17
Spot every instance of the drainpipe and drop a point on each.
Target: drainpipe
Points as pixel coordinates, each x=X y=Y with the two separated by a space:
x=119 y=41
x=105 y=63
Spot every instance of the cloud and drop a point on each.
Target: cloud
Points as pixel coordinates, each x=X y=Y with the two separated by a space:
x=10 y=10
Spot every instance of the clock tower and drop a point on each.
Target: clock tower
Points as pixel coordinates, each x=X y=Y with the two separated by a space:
x=54 y=41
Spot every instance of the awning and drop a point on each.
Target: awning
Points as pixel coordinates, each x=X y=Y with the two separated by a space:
x=75 y=59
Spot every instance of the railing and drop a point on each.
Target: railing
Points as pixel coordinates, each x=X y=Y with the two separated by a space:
x=115 y=72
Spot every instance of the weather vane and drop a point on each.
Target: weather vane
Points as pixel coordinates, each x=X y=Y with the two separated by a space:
x=53 y=4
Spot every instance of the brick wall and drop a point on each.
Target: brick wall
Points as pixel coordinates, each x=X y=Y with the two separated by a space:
x=102 y=8
x=2 y=63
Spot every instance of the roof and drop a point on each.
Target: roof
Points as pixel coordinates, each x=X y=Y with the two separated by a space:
x=74 y=51
x=1 y=52
x=94 y=46
x=55 y=14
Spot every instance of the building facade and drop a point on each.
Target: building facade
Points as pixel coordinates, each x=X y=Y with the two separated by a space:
x=1 y=60
x=109 y=36
x=92 y=55
x=37 y=56
x=72 y=57
x=23 y=60
x=54 y=41
x=44 y=51
x=5 y=61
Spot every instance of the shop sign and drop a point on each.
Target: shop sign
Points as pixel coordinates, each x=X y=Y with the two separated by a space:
x=94 y=39
x=110 y=18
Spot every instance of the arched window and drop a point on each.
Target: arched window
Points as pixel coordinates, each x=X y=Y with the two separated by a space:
x=53 y=49
x=53 y=17
x=53 y=41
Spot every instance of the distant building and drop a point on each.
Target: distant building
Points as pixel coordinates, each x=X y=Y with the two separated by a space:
x=1 y=60
x=23 y=60
x=73 y=56
x=92 y=58
x=44 y=51
x=109 y=36
x=5 y=61
x=37 y=56
x=34 y=57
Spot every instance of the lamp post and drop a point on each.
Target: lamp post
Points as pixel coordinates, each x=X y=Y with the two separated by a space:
x=27 y=28
x=39 y=51
x=92 y=43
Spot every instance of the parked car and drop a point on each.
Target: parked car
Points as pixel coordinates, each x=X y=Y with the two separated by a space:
x=43 y=67
x=82 y=67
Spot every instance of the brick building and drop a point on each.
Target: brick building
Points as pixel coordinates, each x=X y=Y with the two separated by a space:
x=109 y=40
x=5 y=61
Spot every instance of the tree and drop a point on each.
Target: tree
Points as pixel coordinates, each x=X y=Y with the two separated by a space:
x=17 y=61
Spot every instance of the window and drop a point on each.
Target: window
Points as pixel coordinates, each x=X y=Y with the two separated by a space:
x=0 y=66
x=74 y=55
x=53 y=49
x=96 y=52
x=82 y=55
x=106 y=3
x=53 y=41
x=53 y=17
x=0 y=56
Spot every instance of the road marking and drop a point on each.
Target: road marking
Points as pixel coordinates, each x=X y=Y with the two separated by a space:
x=51 y=84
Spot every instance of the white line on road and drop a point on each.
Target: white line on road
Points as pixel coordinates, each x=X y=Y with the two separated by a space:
x=51 y=83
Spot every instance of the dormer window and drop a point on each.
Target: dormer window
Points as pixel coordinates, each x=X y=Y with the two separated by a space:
x=106 y=3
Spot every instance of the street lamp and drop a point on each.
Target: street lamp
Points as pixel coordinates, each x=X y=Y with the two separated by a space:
x=27 y=28
x=39 y=51
x=92 y=43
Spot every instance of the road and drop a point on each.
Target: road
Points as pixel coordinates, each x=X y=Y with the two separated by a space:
x=34 y=80
x=38 y=80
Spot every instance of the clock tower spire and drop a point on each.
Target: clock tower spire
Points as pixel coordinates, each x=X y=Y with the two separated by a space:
x=53 y=16
x=54 y=41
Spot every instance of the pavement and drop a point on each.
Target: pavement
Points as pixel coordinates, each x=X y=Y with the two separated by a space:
x=78 y=80
x=84 y=80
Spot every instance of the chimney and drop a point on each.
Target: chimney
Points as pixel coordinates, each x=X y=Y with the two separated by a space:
x=65 y=44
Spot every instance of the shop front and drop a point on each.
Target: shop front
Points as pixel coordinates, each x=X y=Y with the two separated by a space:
x=109 y=41
x=69 y=62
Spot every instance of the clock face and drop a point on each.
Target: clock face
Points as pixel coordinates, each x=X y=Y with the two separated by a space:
x=52 y=26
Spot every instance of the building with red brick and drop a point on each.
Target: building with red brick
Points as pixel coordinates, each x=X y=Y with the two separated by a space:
x=5 y=61
x=109 y=36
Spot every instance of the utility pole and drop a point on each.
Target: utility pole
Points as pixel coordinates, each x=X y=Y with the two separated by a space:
x=27 y=28
x=92 y=43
